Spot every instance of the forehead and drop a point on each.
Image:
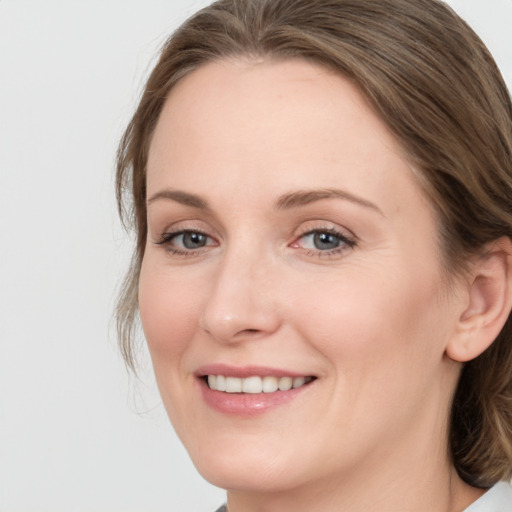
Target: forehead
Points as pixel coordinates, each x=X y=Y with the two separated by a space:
x=292 y=123
x=268 y=95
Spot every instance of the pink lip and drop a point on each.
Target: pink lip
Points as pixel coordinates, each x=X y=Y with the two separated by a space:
x=245 y=405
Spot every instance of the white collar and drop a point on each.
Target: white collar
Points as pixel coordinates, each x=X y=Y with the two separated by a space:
x=496 y=499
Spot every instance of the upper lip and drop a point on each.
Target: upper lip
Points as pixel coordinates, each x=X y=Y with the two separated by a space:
x=246 y=371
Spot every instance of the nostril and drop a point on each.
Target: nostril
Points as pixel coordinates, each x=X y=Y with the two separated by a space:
x=248 y=333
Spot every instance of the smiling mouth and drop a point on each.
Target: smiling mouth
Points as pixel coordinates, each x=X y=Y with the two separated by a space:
x=255 y=384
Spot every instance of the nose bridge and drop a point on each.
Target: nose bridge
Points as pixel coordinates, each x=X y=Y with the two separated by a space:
x=240 y=302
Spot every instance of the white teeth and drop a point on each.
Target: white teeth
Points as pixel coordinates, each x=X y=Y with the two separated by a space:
x=298 y=382
x=220 y=383
x=233 y=385
x=285 y=383
x=255 y=384
x=270 y=384
x=252 y=385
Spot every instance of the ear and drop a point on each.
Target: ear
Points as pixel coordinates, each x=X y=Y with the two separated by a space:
x=489 y=301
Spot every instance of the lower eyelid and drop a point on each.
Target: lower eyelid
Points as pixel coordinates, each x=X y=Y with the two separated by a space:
x=333 y=253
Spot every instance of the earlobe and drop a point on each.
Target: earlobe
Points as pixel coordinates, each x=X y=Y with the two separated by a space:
x=489 y=293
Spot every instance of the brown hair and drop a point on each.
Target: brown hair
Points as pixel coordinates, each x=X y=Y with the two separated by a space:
x=434 y=83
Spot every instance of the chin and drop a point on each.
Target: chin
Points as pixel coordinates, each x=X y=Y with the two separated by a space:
x=248 y=476
x=249 y=467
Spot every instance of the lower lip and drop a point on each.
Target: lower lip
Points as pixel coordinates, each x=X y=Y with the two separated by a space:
x=247 y=404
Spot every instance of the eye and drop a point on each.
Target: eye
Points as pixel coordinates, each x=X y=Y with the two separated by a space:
x=191 y=240
x=324 y=241
x=185 y=241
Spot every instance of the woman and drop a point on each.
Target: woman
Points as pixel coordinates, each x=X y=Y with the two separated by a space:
x=322 y=198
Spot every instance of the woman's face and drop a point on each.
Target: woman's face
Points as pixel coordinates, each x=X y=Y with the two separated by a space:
x=290 y=245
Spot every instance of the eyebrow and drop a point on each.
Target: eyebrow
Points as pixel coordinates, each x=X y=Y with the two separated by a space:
x=305 y=197
x=181 y=197
x=287 y=201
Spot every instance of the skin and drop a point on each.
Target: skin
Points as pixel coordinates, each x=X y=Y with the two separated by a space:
x=371 y=320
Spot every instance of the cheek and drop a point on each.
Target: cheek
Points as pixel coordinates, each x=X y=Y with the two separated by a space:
x=374 y=320
x=168 y=311
x=383 y=347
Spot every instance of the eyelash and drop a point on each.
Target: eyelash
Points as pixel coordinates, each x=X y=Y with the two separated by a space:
x=167 y=238
x=345 y=241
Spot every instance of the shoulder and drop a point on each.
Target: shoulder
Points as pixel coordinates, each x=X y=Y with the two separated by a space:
x=496 y=499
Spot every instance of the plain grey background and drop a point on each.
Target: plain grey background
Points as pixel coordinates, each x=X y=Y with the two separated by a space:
x=77 y=434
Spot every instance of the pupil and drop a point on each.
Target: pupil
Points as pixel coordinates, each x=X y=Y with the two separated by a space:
x=326 y=241
x=194 y=240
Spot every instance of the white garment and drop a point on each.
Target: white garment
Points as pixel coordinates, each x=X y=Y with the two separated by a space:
x=496 y=499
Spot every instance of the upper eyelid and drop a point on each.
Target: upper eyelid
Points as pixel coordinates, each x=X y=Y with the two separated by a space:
x=334 y=231
x=183 y=226
x=170 y=234
x=345 y=238
x=163 y=219
x=328 y=227
x=308 y=227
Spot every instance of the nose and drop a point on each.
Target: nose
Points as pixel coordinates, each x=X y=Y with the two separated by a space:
x=241 y=302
